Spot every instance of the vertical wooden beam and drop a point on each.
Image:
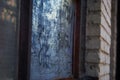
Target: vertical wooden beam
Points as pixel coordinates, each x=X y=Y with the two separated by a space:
x=76 y=43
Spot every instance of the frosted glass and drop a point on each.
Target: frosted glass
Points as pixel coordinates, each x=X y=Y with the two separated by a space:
x=52 y=31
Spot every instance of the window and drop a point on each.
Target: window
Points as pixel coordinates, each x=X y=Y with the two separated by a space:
x=49 y=39
x=8 y=39
x=51 y=44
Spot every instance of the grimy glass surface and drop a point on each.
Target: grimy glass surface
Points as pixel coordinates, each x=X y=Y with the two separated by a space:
x=52 y=31
x=8 y=40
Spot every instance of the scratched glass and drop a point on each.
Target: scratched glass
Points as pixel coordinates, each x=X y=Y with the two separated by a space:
x=52 y=33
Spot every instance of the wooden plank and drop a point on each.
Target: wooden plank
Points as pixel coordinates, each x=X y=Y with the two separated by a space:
x=76 y=46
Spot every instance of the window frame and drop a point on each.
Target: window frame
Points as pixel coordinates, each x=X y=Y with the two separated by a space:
x=76 y=40
x=25 y=39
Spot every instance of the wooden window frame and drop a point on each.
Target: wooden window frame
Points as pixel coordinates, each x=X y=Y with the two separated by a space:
x=25 y=38
x=76 y=40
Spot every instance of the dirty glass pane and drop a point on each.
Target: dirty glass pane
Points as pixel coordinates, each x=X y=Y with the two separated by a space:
x=8 y=39
x=52 y=31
